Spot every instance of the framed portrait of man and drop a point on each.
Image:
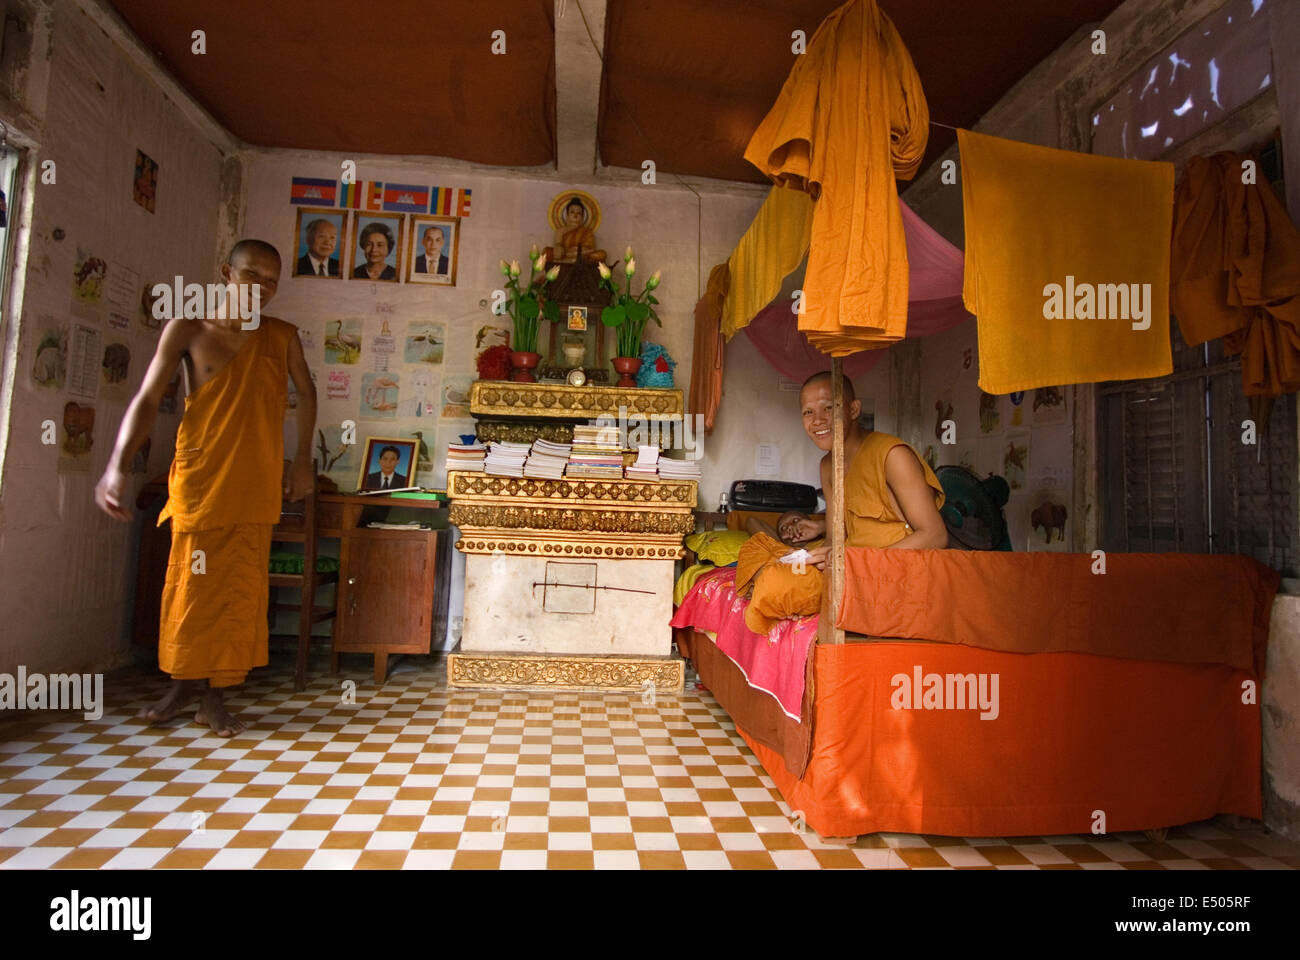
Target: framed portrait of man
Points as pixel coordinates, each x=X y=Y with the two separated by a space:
x=389 y=464
x=376 y=248
x=435 y=242
x=318 y=237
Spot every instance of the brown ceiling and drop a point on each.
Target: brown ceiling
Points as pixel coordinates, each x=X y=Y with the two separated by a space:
x=684 y=83
x=697 y=79
x=387 y=76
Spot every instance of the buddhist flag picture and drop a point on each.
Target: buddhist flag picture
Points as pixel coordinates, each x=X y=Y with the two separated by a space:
x=362 y=195
x=449 y=202
x=309 y=190
x=400 y=198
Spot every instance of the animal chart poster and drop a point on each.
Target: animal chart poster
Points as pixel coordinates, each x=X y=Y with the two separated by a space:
x=379 y=393
x=343 y=340
x=424 y=342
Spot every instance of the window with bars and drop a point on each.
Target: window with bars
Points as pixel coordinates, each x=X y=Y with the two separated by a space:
x=1175 y=475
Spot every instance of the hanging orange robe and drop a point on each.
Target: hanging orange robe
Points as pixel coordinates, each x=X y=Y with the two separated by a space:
x=224 y=496
x=850 y=119
x=1236 y=272
x=870 y=520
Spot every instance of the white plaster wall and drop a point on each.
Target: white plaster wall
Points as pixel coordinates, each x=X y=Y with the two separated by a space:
x=508 y=213
x=68 y=571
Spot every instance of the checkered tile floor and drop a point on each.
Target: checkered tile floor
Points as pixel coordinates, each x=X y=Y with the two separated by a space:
x=413 y=775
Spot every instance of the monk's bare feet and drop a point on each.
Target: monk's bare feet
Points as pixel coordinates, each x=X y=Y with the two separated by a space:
x=212 y=711
x=178 y=697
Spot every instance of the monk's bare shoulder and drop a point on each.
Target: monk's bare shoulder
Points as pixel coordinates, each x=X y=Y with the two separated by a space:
x=180 y=334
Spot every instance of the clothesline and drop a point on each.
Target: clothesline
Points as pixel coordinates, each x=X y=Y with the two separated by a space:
x=946 y=126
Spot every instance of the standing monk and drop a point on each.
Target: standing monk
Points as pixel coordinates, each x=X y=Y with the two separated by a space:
x=225 y=486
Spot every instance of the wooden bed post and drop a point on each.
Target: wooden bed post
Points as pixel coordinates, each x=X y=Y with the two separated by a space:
x=835 y=503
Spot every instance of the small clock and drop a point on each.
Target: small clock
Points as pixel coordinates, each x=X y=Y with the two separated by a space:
x=577 y=377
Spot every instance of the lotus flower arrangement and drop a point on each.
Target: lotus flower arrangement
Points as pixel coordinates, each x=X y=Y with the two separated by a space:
x=526 y=302
x=628 y=312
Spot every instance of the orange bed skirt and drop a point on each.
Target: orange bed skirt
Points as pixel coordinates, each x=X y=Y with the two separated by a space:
x=1076 y=738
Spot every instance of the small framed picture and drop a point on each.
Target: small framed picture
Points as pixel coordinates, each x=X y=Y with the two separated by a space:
x=389 y=464
x=577 y=318
x=376 y=247
x=144 y=186
x=435 y=242
x=317 y=238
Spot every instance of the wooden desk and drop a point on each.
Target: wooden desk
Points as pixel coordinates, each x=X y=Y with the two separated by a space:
x=392 y=591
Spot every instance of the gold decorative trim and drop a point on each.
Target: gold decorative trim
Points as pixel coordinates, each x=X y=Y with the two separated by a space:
x=594 y=544
x=502 y=398
x=483 y=671
x=580 y=519
x=672 y=493
x=498 y=431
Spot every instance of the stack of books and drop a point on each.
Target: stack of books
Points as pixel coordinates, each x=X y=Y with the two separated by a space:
x=678 y=469
x=596 y=453
x=506 y=459
x=466 y=456
x=646 y=466
x=547 y=460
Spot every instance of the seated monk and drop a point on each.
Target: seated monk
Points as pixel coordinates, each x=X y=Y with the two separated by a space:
x=891 y=499
x=575 y=237
x=224 y=489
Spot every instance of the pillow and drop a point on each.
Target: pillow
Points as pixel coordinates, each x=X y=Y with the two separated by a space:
x=721 y=547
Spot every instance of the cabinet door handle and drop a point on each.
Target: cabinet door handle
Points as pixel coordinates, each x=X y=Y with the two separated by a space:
x=352 y=581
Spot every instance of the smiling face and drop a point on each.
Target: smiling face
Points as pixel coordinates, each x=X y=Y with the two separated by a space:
x=432 y=241
x=388 y=461
x=815 y=405
x=254 y=267
x=323 y=240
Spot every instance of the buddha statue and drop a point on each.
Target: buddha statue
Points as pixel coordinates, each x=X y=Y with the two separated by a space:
x=574 y=236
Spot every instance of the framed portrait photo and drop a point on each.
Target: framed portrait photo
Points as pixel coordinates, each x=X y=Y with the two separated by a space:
x=318 y=237
x=376 y=248
x=435 y=243
x=389 y=464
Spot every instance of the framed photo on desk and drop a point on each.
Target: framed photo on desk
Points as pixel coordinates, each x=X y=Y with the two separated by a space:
x=389 y=463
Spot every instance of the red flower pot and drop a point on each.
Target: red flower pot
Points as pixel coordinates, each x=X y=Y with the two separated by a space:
x=524 y=363
x=627 y=368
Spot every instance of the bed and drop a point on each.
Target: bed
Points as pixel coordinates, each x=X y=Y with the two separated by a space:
x=1123 y=700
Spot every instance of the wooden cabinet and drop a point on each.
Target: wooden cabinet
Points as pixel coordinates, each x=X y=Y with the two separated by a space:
x=392 y=590
x=386 y=593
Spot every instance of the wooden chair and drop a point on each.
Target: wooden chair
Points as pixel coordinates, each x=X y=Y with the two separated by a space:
x=298 y=525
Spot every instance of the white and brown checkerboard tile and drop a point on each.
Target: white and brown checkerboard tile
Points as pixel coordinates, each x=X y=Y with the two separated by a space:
x=414 y=775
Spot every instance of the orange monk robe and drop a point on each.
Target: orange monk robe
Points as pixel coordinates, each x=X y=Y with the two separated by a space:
x=870 y=520
x=224 y=496
x=850 y=119
x=708 y=356
x=1236 y=272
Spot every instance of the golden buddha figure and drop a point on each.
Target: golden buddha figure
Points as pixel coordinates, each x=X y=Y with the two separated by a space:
x=575 y=216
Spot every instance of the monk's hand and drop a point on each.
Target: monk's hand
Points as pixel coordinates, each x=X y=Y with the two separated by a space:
x=818 y=557
x=110 y=492
x=301 y=479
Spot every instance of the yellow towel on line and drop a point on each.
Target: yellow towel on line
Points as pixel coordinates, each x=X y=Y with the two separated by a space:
x=1067 y=264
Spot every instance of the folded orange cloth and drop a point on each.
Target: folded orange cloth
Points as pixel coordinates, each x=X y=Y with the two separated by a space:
x=1180 y=607
x=777 y=590
x=850 y=119
x=1236 y=271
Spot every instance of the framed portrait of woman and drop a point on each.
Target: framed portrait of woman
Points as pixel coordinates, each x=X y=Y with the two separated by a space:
x=376 y=248
x=435 y=243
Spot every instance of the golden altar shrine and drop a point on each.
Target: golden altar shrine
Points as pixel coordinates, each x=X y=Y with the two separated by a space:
x=568 y=582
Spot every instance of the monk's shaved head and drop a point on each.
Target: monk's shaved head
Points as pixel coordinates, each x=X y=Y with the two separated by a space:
x=825 y=377
x=253 y=248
